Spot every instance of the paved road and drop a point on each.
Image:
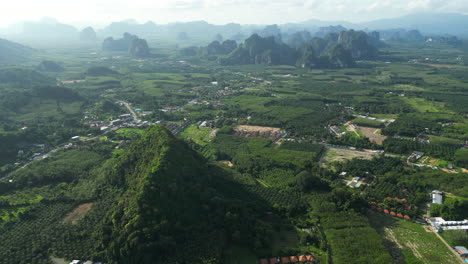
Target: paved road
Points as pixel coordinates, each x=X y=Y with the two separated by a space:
x=129 y=108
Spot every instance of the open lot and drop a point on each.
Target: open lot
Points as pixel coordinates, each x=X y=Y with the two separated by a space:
x=373 y=134
x=333 y=154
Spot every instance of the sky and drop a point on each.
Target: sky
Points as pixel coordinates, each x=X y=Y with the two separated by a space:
x=101 y=12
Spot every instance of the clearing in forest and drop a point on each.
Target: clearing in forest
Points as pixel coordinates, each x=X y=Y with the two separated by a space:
x=342 y=154
x=77 y=213
x=258 y=131
x=373 y=134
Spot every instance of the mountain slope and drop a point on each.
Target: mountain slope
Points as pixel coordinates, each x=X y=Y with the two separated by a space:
x=12 y=53
x=170 y=210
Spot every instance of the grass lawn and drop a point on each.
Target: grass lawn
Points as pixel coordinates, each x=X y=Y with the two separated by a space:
x=200 y=135
x=409 y=242
x=456 y=237
x=422 y=105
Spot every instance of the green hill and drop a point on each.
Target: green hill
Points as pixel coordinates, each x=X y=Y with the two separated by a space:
x=171 y=209
x=13 y=53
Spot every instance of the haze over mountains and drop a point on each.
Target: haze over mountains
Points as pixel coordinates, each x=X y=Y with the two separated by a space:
x=49 y=29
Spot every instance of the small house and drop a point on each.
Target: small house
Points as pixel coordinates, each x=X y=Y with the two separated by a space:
x=462 y=251
x=437 y=197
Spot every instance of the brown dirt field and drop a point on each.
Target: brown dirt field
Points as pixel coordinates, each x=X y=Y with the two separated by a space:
x=441 y=66
x=77 y=213
x=257 y=128
x=464 y=170
x=371 y=134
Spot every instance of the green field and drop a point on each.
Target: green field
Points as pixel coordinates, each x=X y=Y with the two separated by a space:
x=411 y=243
x=199 y=135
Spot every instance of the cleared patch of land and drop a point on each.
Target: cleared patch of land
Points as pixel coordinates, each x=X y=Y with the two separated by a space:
x=256 y=128
x=258 y=131
x=58 y=260
x=199 y=135
x=77 y=213
x=409 y=242
x=333 y=154
x=373 y=134
x=227 y=162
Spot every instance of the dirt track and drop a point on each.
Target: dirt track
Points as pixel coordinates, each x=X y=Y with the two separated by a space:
x=77 y=213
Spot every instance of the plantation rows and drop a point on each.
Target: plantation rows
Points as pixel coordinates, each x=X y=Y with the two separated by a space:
x=206 y=246
x=275 y=196
x=48 y=236
x=38 y=229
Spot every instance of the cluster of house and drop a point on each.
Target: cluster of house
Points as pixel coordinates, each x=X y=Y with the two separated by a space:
x=291 y=259
x=439 y=224
x=125 y=120
x=357 y=182
x=334 y=130
x=386 y=211
x=415 y=156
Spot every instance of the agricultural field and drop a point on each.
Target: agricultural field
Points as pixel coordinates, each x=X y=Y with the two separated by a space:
x=237 y=162
x=410 y=242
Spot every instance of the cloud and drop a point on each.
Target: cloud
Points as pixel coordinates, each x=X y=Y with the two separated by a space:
x=223 y=11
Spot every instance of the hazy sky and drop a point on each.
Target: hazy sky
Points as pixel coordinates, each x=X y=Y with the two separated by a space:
x=220 y=11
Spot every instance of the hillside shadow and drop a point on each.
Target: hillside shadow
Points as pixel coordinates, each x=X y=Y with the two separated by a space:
x=383 y=224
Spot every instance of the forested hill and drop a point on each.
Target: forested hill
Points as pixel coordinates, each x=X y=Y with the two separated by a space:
x=169 y=209
x=335 y=50
x=12 y=53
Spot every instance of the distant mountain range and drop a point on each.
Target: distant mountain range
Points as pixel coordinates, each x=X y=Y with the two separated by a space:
x=428 y=24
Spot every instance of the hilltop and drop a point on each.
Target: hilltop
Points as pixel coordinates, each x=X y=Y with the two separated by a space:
x=170 y=198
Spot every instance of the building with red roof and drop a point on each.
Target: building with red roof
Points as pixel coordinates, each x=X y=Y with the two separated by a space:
x=407 y=217
x=285 y=260
x=294 y=259
x=302 y=258
x=310 y=258
x=264 y=261
x=392 y=213
x=399 y=215
x=386 y=211
x=274 y=261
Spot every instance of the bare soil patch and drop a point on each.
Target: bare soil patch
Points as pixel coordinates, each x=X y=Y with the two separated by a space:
x=441 y=66
x=342 y=154
x=258 y=131
x=227 y=162
x=77 y=213
x=257 y=128
x=371 y=133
